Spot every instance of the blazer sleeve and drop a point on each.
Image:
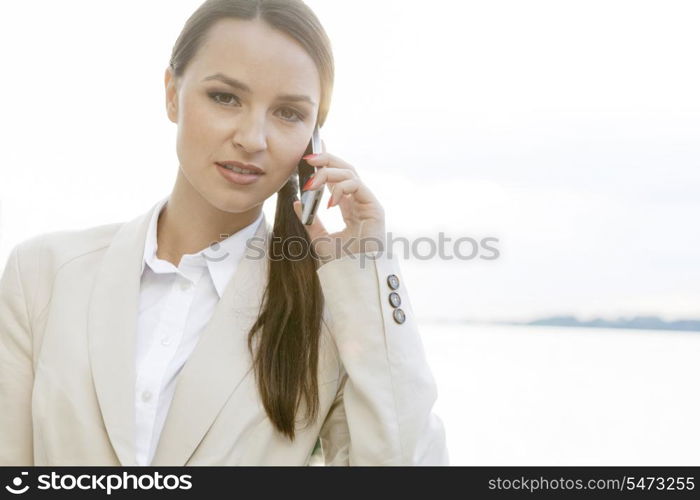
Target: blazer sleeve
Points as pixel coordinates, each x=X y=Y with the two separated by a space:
x=16 y=369
x=382 y=413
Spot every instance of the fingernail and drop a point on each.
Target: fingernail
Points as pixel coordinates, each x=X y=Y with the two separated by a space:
x=308 y=183
x=310 y=157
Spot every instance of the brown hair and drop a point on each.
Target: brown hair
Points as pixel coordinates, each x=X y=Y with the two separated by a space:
x=289 y=323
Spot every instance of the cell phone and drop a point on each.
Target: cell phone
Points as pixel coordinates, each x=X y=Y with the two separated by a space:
x=311 y=199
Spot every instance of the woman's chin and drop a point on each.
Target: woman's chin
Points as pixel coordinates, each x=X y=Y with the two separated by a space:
x=235 y=202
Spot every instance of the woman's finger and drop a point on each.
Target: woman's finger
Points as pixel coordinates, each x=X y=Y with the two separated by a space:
x=358 y=189
x=330 y=175
x=349 y=186
x=329 y=160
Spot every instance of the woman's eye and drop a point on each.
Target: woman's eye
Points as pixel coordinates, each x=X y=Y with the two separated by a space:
x=293 y=114
x=288 y=114
x=215 y=96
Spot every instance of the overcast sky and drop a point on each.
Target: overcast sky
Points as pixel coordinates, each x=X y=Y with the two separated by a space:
x=568 y=130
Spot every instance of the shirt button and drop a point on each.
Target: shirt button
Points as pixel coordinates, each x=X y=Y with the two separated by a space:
x=145 y=396
x=185 y=285
x=165 y=341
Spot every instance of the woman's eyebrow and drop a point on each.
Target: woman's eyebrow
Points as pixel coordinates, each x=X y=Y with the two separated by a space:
x=237 y=84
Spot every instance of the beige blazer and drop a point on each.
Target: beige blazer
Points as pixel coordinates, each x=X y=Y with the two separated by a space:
x=68 y=312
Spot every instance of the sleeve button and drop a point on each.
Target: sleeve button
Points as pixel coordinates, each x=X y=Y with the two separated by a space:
x=394 y=299
x=399 y=316
x=393 y=281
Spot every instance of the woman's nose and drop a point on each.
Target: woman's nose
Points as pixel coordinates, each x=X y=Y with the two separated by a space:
x=250 y=134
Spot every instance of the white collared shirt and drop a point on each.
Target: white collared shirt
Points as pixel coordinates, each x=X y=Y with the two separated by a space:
x=175 y=305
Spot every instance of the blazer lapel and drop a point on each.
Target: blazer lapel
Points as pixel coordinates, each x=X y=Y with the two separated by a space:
x=111 y=328
x=215 y=368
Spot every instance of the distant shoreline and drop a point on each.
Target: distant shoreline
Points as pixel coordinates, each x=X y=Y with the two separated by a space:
x=634 y=323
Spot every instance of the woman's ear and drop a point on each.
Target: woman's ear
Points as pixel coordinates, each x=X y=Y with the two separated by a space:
x=170 y=95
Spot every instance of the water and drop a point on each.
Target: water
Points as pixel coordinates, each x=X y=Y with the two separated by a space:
x=532 y=395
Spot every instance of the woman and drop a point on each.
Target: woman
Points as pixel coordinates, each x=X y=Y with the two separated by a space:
x=138 y=344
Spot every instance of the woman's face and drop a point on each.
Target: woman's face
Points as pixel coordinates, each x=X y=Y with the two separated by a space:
x=262 y=124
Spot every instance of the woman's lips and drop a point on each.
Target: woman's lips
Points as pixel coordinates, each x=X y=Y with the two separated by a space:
x=237 y=178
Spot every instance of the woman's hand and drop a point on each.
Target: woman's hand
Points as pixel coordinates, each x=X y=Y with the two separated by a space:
x=362 y=213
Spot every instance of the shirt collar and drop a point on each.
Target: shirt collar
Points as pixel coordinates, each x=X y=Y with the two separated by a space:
x=221 y=258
